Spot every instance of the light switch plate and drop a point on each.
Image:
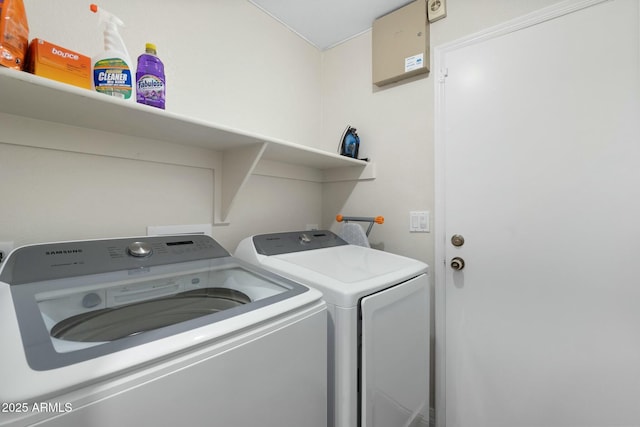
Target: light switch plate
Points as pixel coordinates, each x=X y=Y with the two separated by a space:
x=419 y=221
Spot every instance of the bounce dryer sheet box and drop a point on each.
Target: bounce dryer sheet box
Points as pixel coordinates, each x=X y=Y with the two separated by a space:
x=58 y=63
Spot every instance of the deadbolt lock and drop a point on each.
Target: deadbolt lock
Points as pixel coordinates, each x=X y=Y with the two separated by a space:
x=457 y=240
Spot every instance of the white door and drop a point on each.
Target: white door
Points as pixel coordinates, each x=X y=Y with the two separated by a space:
x=539 y=150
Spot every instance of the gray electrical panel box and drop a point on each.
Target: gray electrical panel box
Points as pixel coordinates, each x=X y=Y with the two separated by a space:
x=401 y=44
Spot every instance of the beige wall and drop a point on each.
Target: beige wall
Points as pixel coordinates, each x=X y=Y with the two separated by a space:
x=396 y=127
x=228 y=62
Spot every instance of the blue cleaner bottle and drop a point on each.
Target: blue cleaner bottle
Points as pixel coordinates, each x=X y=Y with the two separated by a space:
x=150 y=80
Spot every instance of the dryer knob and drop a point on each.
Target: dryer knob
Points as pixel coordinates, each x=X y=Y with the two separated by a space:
x=140 y=249
x=304 y=239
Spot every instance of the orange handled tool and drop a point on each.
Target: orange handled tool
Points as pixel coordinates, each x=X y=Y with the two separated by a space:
x=371 y=220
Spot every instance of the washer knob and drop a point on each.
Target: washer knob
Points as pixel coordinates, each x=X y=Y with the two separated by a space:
x=140 y=249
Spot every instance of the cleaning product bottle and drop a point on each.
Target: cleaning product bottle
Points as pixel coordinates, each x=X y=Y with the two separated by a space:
x=150 y=80
x=14 y=34
x=112 y=68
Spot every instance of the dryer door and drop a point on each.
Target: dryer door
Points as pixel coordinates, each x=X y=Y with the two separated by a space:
x=395 y=356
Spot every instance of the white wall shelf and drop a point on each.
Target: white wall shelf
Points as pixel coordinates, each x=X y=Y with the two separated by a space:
x=32 y=97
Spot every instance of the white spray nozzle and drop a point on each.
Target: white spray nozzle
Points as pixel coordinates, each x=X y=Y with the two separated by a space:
x=112 y=40
x=106 y=16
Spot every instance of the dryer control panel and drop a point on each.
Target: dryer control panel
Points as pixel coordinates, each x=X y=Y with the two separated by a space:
x=295 y=241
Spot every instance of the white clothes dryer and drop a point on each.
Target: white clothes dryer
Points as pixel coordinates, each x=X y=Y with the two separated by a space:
x=378 y=329
x=156 y=331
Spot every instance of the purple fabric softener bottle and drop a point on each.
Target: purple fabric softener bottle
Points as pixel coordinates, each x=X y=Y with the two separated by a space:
x=150 y=80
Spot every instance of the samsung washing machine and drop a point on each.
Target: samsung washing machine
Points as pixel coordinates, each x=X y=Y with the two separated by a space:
x=157 y=331
x=378 y=326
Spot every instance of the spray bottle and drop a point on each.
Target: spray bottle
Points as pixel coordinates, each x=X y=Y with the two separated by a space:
x=112 y=67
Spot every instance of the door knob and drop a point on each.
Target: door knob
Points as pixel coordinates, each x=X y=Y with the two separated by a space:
x=457 y=263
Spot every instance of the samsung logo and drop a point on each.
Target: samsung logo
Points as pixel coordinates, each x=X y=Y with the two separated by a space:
x=64 y=252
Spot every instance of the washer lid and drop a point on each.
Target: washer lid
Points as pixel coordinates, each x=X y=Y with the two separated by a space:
x=90 y=299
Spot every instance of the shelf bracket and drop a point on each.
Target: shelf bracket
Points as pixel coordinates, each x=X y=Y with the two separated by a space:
x=365 y=172
x=237 y=166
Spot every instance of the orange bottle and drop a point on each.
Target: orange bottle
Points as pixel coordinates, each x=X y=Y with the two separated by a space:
x=14 y=34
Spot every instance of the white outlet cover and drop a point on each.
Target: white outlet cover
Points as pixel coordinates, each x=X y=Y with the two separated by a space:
x=436 y=9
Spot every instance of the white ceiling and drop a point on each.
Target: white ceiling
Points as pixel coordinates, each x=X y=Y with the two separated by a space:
x=325 y=23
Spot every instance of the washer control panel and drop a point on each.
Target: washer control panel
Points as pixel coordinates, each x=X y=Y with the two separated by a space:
x=69 y=259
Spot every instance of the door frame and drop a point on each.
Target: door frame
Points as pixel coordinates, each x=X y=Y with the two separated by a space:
x=440 y=67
